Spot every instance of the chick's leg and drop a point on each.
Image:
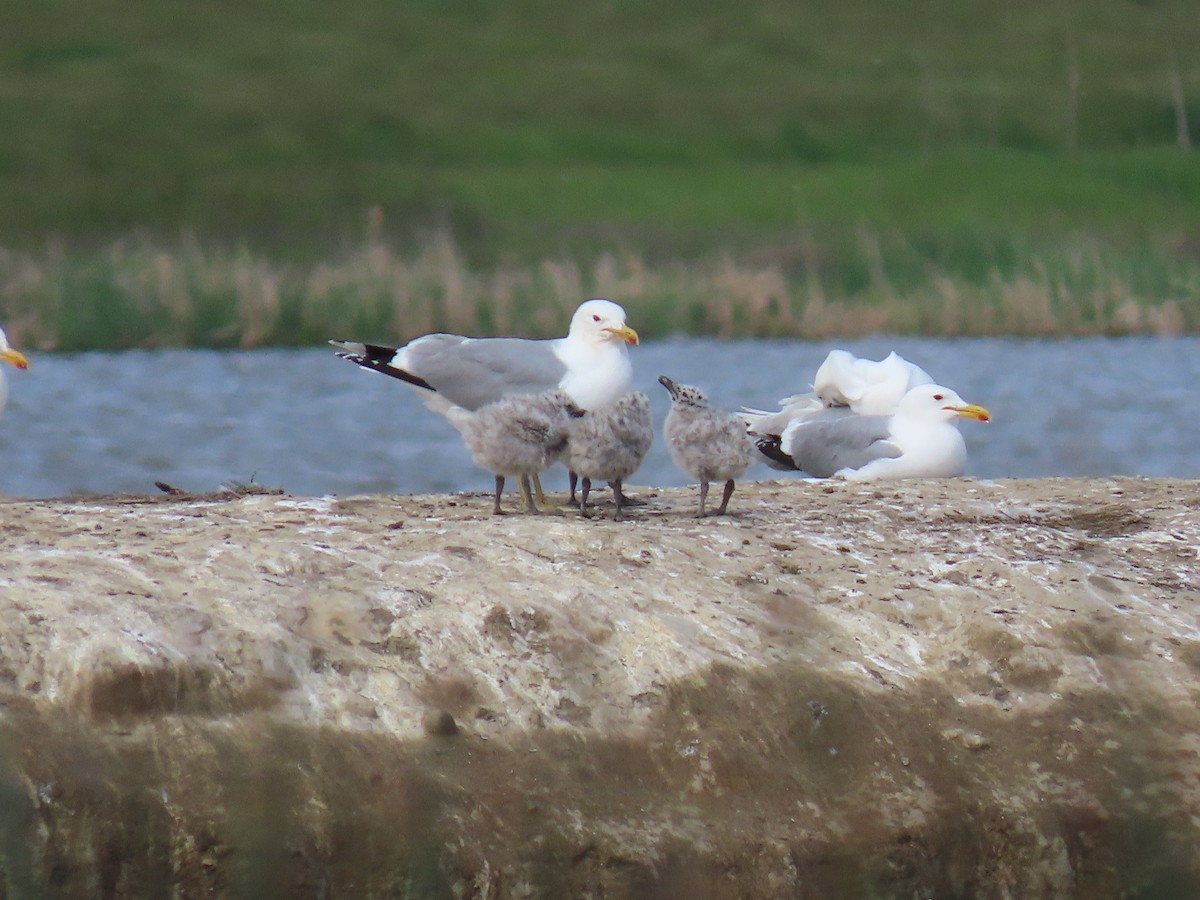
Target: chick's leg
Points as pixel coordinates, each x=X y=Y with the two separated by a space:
x=725 y=498
x=496 y=510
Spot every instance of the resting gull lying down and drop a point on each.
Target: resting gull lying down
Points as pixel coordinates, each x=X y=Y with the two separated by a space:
x=708 y=444
x=591 y=363
x=919 y=440
x=843 y=380
x=518 y=436
x=13 y=357
x=869 y=387
x=609 y=444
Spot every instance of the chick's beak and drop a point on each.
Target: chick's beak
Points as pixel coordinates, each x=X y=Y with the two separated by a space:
x=971 y=411
x=625 y=333
x=15 y=357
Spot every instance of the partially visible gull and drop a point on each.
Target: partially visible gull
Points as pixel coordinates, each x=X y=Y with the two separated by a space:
x=868 y=387
x=707 y=443
x=843 y=381
x=609 y=444
x=919 y=440
x=518 y=436
x=13 y=357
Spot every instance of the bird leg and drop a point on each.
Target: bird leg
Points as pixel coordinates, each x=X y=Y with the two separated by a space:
x=725 y=498
x=496 y=510
x=527 y=496
x=572 y=480
x=624 y=499
x=620 y=498
x=703 y=497
x=586 y=489
x=543 y=504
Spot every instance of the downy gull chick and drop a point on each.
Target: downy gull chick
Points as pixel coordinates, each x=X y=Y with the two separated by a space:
x=609 y=444
x=518 y=436
x=707 y=443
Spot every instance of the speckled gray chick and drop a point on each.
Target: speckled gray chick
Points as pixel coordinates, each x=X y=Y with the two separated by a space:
x=707 y=443
x=519 y=436
x=609 y=444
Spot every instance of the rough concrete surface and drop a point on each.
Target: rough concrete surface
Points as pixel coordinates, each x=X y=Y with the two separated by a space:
x=925 y=689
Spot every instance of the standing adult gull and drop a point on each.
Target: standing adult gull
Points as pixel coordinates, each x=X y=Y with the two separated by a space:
x=919 y=440
x=12 y=357
x=591 y=363
x=707 y=443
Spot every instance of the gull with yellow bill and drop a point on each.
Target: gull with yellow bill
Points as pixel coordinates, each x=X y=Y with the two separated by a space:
x=12 y=357
x=919 y=440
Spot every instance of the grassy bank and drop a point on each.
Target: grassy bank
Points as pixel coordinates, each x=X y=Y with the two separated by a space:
x=909 y=166
x=281 y=121
x=138 y=292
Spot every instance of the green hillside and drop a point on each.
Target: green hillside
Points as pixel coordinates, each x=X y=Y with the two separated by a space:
x=964 y=136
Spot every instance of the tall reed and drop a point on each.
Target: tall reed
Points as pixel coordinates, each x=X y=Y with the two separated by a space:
x=138 y=292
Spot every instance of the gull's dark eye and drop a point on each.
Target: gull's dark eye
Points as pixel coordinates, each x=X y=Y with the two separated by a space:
x=939 y=396
x=595 y=318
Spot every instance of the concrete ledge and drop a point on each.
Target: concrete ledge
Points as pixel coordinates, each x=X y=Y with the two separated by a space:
x=958 y=688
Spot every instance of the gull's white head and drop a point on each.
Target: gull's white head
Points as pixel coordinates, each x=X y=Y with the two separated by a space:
x=933 y=401
x=8 y=355
x=598 y=321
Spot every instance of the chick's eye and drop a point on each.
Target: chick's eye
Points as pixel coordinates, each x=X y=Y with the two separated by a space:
x=595 y=318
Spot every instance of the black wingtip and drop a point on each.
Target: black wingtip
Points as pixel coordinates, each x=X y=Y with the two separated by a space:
x=770 y=447
x=375 y=353
x=377 y=358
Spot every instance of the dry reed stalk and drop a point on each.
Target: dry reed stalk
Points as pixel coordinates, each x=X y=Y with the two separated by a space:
x=565 y=278
x=172 y=292
x=178 y=291
x=1025 y=304
x=397 y=290
x=445 y=269
x=624 y=277
x=951 y=305
x=761 y=294
x=1127 y=317
x=504 y=288
x=22 y=278
x=256 y=287
x=872 y=251
x=1166 y=318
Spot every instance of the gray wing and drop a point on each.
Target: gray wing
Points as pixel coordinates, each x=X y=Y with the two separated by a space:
x=824 y=446
x=472 y=372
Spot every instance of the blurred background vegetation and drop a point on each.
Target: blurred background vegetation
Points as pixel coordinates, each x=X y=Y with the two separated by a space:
x=236 y=174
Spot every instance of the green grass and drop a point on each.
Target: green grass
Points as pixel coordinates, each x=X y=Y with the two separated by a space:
x=971 y=140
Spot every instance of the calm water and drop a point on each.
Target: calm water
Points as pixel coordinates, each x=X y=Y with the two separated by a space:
x=312 y=424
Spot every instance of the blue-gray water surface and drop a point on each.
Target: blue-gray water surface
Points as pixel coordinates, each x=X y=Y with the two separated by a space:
x=313 y=424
